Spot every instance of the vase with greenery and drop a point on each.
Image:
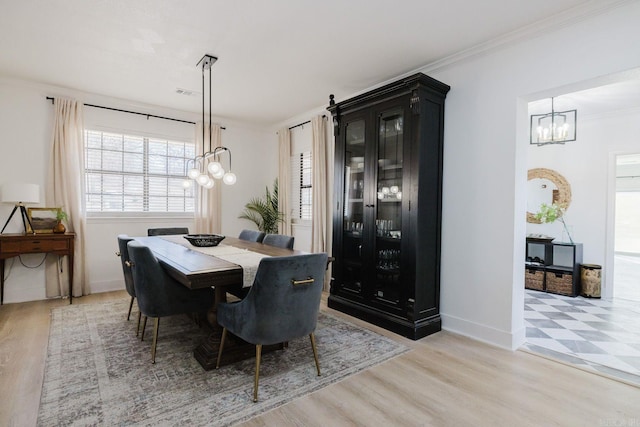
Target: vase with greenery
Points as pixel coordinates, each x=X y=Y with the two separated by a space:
x=263 y=211
x=551 y=213
x=60 y=216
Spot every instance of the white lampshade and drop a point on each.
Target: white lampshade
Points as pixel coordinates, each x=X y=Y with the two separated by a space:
x=209 y=185
x=193 y=173
x=229 y=178
x=13 y=192
x=219 y=173
x=186 y=184
x=203 y=179
x=214 y=168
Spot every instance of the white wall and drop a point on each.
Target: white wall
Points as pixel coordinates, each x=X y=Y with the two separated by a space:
x=255 y=162
x=485 y=163
x=25 y=137
x=587 y=166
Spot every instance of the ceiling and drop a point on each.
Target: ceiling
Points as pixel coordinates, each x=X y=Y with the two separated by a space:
x=277 y=59
x=619 y=96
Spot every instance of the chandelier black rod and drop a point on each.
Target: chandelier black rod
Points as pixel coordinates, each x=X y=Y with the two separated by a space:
x=209 y=108
x=203 y=109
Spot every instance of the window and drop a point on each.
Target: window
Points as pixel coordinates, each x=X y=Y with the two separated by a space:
x=126 y=173
x=301 y=185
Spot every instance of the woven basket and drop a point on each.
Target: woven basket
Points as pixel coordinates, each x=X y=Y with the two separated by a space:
x=560 y=283
x=534 y=279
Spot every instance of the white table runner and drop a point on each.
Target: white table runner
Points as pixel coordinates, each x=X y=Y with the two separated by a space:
x=245 y=258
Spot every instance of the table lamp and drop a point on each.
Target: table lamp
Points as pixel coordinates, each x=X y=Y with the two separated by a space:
x=18 y=194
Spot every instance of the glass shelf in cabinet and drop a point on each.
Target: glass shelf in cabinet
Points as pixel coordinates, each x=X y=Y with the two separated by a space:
x=389 y=239
x=354 y=234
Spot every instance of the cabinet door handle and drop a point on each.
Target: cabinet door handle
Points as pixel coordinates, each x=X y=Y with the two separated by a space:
x=370 y=206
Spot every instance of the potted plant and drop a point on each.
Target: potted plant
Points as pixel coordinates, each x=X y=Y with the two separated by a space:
x=263 y=211
x=60 y=216
x=551 y=213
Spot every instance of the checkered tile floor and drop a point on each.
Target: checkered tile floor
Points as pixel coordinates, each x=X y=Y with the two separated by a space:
x=595 y=334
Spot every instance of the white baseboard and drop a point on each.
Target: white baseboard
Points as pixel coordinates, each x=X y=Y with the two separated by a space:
x=503 y=339
x=107 y=286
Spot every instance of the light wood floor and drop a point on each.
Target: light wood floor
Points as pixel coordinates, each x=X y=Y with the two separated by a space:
x=444 y=380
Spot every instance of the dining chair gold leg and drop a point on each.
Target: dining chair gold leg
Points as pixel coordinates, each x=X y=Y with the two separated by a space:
x=138 y=326
x=255 y=382
x=130 y=306
x=144 y=326
x=224 y=335
x=155 y=340
x=315 y=351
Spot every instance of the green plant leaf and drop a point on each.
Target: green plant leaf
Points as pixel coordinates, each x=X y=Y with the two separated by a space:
x=263 y=211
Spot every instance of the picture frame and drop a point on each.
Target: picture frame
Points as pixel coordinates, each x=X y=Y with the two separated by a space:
x=42 y=220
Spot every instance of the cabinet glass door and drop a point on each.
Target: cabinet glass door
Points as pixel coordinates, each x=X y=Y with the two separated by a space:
x=353 y=215
x=389 y=205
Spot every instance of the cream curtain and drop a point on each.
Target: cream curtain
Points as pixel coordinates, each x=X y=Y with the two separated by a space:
x=64 y=189
x=208 y=212
x=321 y=185
x=284 y=180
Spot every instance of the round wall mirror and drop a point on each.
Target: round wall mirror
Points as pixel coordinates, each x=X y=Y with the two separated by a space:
x=545 y=186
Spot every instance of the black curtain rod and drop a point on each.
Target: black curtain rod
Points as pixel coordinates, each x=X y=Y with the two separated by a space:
x=130 y=112
x=300 y=124
x=304 y=123
x=133 y=112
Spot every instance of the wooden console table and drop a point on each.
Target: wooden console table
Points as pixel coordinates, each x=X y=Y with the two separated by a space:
x=12 y=245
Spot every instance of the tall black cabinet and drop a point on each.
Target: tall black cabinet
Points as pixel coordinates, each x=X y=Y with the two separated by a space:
x=387 y=207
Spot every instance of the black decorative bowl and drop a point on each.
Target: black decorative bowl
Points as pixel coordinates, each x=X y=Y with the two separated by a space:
x=204 y=240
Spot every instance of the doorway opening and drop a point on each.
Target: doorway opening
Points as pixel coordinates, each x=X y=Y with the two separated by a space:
x=626 y=281
x=600 y=334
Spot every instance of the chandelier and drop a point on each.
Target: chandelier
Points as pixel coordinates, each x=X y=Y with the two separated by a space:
x=201 y=172
x=556 y=127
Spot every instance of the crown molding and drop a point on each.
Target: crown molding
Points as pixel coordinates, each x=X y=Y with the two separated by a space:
x=620 y=112
x=561 y=20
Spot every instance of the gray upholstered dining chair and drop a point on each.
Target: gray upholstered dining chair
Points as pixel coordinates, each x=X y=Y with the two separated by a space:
x=123 y=253
x=251 y=235
x=282 y=305
x=167 y=231
x=160 y=295
x=279 y=240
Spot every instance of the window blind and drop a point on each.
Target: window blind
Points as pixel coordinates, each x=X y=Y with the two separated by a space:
x=301 y=170
x=128 y=173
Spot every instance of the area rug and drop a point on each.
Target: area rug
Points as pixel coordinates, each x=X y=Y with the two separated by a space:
x=98 y=373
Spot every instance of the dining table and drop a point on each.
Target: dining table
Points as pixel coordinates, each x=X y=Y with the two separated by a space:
x=227 y=267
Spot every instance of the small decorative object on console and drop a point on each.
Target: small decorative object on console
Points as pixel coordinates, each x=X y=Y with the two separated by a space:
x=60 y=216
x=539 y=238
x=551 y=213
x=204 y=240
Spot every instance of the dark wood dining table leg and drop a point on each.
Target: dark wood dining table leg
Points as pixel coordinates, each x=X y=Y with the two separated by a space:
x=2 y=286
x=235 y=349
